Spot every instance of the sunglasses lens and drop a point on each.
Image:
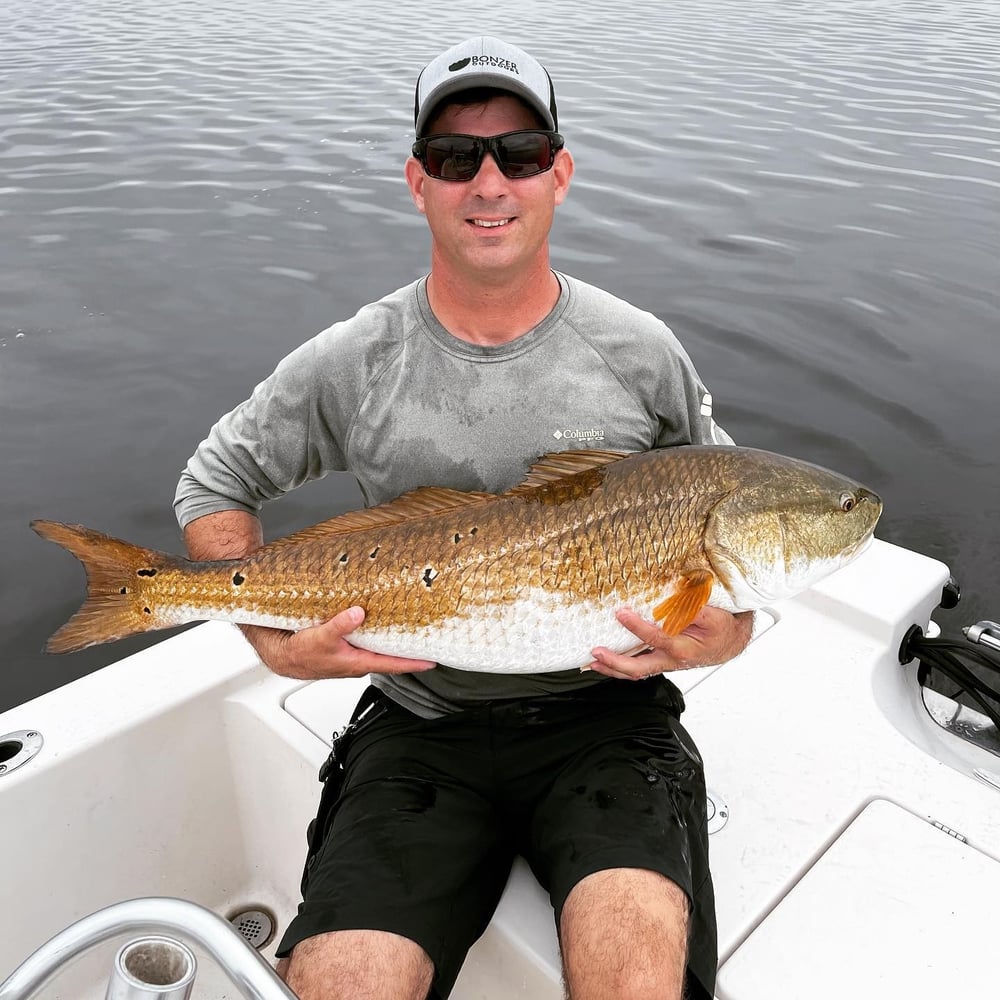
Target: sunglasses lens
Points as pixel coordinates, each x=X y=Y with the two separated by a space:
x=452 y=157
x=458 y=157
x=524 y=154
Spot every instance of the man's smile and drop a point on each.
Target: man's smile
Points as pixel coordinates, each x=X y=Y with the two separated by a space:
x=491 y=223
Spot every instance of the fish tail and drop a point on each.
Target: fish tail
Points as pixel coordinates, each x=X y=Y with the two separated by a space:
x=117 y=576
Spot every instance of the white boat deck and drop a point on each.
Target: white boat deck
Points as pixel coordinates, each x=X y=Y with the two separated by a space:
x=189 y=770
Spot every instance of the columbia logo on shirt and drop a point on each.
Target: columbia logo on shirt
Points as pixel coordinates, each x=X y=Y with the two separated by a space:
x=576 y=434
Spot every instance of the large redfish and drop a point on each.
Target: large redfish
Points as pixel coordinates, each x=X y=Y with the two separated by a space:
x=523 y=581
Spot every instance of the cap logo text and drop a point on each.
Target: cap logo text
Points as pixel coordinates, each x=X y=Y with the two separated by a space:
x=493 y=62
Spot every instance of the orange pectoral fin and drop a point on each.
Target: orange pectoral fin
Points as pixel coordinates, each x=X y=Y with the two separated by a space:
x=676 y=612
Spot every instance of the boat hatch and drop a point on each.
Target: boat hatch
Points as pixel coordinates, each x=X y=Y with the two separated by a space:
x=897 y=906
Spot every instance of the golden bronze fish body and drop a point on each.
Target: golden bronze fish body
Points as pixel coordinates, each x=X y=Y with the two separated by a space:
x=523 y=581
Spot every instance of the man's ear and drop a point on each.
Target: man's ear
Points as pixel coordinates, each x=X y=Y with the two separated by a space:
x=415 y=178
x=562 y=171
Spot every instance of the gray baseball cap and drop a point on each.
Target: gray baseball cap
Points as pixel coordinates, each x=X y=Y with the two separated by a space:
x=484 y=62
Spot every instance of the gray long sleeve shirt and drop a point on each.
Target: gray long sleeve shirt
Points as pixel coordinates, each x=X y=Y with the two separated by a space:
x=390 y=396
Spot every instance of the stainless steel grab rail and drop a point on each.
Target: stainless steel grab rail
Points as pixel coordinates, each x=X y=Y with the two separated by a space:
x=246 y=970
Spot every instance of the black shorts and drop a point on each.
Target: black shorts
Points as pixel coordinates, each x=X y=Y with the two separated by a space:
x=431 y=813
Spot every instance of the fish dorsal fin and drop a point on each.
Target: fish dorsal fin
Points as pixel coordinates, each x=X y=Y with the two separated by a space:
x=410 y=506
x=557 y=465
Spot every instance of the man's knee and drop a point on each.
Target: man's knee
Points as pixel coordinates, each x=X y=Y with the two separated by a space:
x=624 y=934
x=348 y=964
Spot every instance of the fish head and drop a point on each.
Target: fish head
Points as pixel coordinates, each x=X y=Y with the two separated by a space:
x=786 y=525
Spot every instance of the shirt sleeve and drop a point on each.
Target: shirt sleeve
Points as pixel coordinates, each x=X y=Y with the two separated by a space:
x=273 y=442
x=683 y=404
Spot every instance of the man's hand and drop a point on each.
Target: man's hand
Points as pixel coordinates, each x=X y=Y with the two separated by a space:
x=323 y=651
x=713 y=637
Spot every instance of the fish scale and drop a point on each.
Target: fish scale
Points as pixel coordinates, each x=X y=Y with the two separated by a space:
x=527 y=580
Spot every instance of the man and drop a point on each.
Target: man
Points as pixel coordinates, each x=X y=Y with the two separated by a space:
x=461 y=380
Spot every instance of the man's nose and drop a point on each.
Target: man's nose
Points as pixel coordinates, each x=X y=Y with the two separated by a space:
x=490 y=181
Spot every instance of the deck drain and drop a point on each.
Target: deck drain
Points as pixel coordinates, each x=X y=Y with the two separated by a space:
x=256 y=926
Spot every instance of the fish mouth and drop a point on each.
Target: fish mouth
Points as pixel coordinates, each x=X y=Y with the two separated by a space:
x=867 y=496
x=862 y=545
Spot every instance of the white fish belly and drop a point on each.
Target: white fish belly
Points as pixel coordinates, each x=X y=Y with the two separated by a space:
x=539 y=633
x=185 y=614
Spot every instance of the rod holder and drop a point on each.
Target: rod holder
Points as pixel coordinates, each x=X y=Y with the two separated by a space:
x=250 y=975
x=152 y=968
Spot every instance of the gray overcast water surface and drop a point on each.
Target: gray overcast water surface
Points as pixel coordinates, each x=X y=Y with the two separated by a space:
x=808 y=193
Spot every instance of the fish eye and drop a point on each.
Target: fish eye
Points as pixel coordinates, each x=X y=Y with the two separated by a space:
x=847 y=502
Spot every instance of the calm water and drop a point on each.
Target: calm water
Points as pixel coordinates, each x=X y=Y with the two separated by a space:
x=807 y=192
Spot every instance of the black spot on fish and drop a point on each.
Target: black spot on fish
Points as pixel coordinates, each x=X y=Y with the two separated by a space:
x=458 y=538
x=429 y=574
x=472 y=531
x=579 y=789
x=374 y=552
x=238 y=579
x=145 y=572
x=124 y=590
x=343 y=558
x=147 y=611
x=603 y=799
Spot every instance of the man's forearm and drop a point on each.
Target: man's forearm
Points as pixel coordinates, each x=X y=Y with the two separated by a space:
x=232 y=534
x=227 y=534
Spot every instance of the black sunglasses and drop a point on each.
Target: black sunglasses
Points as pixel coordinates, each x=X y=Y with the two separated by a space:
x=459 y=157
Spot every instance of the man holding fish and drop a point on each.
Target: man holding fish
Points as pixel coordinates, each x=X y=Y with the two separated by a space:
x=461 y=381
x=514 y=613
x=516 y=705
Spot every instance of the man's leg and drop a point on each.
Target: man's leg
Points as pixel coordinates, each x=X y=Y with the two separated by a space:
x=624 y=935
x=406 y=867
x=358 y=965
x=619 y=838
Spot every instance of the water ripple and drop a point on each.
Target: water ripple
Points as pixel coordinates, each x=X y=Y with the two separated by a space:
x=806 y=191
